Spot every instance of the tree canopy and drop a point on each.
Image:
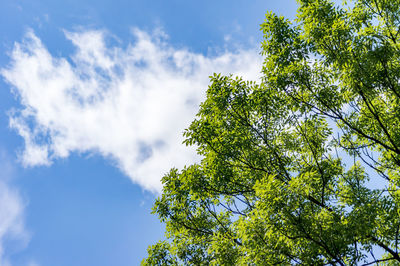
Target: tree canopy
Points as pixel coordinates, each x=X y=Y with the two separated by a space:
x=304 y=166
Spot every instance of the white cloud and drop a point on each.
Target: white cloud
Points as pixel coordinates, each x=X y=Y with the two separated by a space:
x=13 y=235
x=11 y=220
x=130 y=104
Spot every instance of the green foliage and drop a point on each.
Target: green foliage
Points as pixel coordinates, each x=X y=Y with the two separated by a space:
x=303 y=167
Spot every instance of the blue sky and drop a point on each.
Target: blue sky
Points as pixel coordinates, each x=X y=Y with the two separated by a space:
x=94 y=96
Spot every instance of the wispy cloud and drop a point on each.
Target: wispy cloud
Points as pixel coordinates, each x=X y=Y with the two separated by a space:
x=12 y=229
x=130 y=104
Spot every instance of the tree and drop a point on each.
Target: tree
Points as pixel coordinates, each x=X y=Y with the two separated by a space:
x=303 y=167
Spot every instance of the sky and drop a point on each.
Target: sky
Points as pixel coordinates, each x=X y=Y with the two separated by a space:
x=94 y=98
